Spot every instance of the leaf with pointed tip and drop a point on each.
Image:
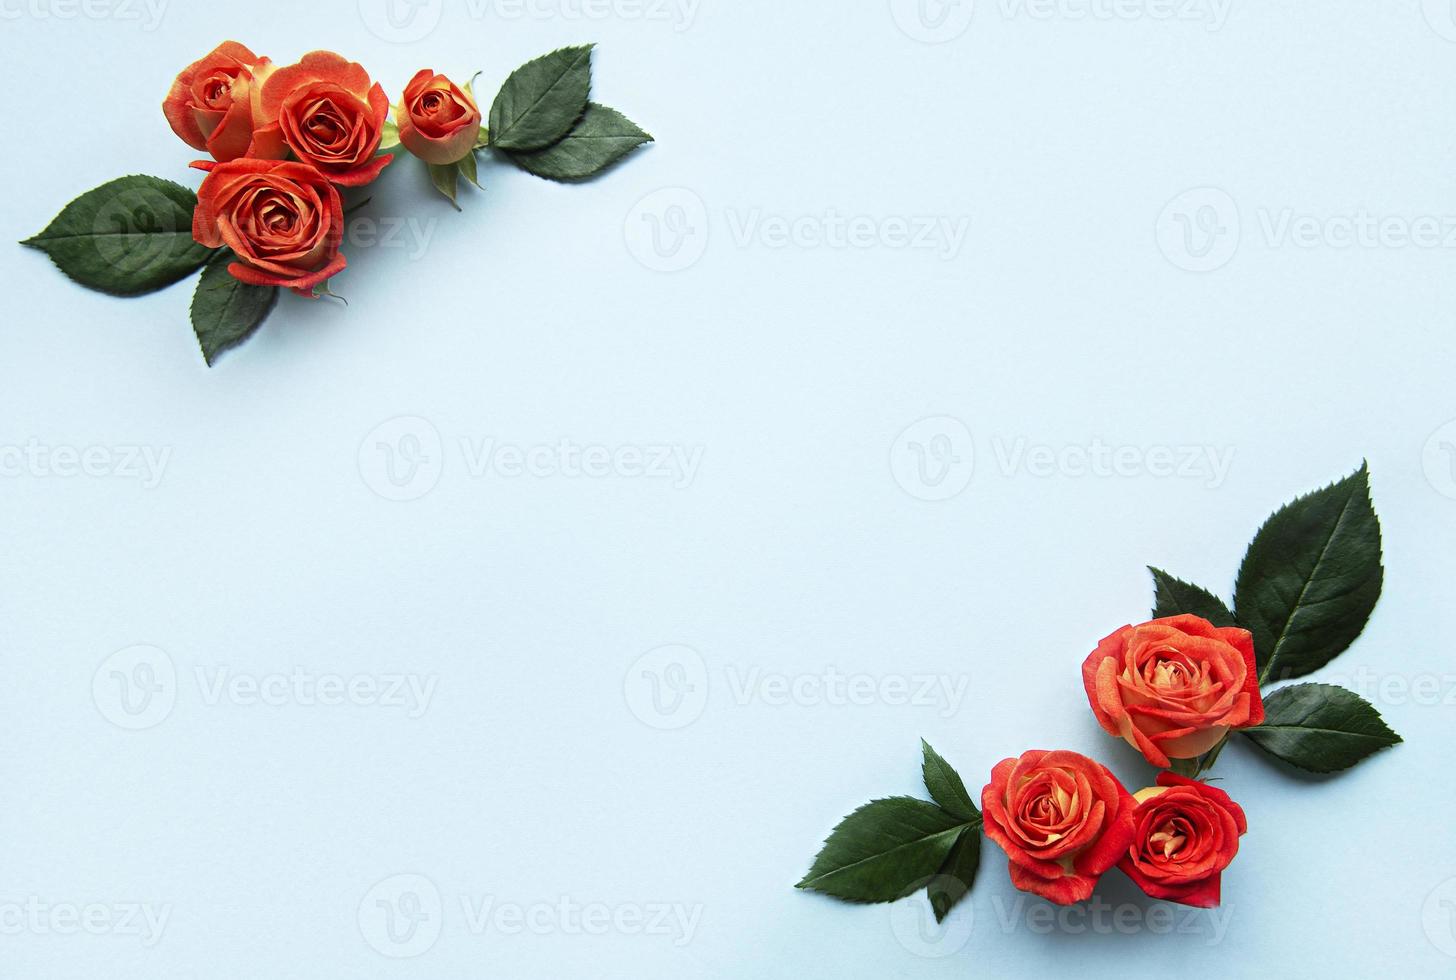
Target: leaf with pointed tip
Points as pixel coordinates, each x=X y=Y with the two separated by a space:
x=1173 y=597
x=467 y=168
x=599 y=139
x=541 y=100
x=884 y=850
x=1311 y=577
x=227 y=311
x=446 y=178
x=957 y=875
x=129 y=236
x=1320 y=727
x=945 y=785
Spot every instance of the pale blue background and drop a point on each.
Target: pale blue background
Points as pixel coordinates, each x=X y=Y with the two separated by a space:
x=533 y=317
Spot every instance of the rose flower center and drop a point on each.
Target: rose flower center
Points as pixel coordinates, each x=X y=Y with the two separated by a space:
x=1169 y=838
x=217 y=90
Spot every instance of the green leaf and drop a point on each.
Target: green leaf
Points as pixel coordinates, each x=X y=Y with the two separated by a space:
x=129 y=236
x=1320 y=727
x=956 y=876
x=884 y=850
x=389 y=135
x=226 y=311
x=1175 y=597
x=1310 y=578
x=601 y=137
x=541 y=100
x=466 y=166
x=945 y=785
x=446 y=178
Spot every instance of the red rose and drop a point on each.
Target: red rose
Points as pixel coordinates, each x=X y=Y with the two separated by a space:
x=1174 y=687
x=1062 y=820
x=283 y=220
x=214 y=100
x=438 y=121
x=1187 y=832
x=325 y=110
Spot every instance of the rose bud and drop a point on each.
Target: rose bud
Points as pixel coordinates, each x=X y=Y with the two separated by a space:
x=326 y=112
x=1174 y=687
x=283 y=220
x=213 y=102
x=1185 y=834
x=438 y=121
x=1062 y=819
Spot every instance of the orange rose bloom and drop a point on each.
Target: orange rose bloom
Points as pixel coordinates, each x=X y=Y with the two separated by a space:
x=1062 y=819
x=326 y=112
x=438 y=121
x=1174 y=687
x=214 y=101
x=283 y=220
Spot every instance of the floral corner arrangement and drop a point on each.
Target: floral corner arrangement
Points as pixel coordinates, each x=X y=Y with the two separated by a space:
x=1174 y=688
x=287 y=142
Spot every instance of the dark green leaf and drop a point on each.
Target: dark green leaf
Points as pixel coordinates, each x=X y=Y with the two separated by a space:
x=226 y=311
x=957 y=875
x=945 y=785
x=884 y=850
x=1174 y=597
x=129 y=236
x=600 y=138
x=1311 y=578
x=541 y=100
x=1320 y=727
